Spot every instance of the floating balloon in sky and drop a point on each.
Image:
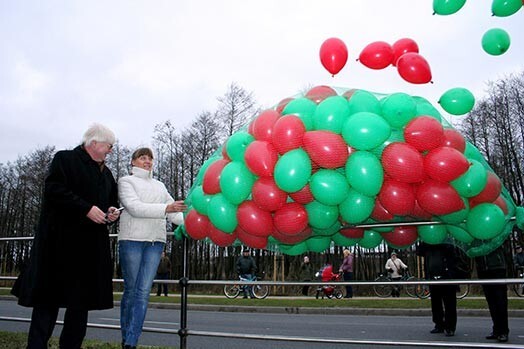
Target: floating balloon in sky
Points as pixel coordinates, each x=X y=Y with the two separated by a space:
x=402 y=46
x=504 y=8
x=447 y=7
x=377 y=55
x=414 y=68
x=333 y=55
x=457 y=101
x=366 y=158
x=496 y=41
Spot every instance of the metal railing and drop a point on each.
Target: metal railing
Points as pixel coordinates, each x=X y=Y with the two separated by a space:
x=183 y=332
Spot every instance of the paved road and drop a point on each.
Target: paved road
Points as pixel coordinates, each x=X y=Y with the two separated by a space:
x=355 y=327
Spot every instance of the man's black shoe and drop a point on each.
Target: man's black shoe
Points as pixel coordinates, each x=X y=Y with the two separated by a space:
x=436 y=330
x=491 y=336
x=449 y=333
x=503 y=338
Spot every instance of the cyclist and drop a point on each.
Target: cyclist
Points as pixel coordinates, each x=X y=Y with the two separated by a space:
x=246 y=269
x=395 y=268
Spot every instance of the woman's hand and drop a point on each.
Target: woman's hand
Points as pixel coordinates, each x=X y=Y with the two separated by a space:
x=176 y=206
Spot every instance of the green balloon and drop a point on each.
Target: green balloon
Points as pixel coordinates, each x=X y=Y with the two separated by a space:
x=447 y=7
x=457 y=216
x=364 y=173
x=304 y=108
x=473 y=181
x=432 y=234
x=292 y=170
x=496 y=41
x=329 y=187
x=236 y=182
x=371 y=239
x=318 y=243
x=222 y=213
x=362 y=100
x=424 y=107
x=485 y=221
x=237 y=144
x=293 y=250
x=331 y=114
x=457 y=101
x=398 y=109
x=504 y=8
x=335 y=227
x=365 y=130
x=357 y=207
x=471 y=152
x=341 y=240
x=199 y=200
x=460 y=234
x=321 y=216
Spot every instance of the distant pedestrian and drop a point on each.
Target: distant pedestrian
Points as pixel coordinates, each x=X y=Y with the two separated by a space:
x=395 y=267
x=347 y=269
x=306 y=273
x=162 y=273
x=246 y=269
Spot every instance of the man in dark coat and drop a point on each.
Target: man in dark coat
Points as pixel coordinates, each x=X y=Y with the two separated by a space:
x=246 y=268
x=70 y=265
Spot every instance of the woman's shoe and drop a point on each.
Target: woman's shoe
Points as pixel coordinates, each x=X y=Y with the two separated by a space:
x=503 y=338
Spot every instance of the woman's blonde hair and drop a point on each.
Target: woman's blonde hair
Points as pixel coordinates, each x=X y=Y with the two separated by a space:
x=346 y=252
x=142 y=151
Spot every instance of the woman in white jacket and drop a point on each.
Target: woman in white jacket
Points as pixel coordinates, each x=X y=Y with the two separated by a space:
x=141 y=239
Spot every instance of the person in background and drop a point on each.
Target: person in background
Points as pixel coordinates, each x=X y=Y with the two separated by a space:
x=518 y=259
x=141 y=239
x=162 y=273
x=395 y=268
x=70 y=265
x=439 y=262
x=246 y=269
x=493 y=266
x=306 y=271
x=347 y=268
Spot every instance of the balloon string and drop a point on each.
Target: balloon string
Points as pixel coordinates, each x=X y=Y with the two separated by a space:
x=398 y=224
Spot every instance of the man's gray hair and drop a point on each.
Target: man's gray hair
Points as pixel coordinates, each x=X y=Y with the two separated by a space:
x=99 y=133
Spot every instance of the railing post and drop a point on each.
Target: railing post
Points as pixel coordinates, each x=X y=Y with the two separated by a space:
x=182 y=332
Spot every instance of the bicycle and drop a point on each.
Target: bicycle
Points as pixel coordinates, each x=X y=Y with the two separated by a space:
x=519 y=288
x=385 y=290
x=232 y=291
x=423 y=292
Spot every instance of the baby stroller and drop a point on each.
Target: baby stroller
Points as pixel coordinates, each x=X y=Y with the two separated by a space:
x=330 y=291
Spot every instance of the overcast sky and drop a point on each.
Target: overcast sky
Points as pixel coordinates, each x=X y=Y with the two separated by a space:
x=134 y=64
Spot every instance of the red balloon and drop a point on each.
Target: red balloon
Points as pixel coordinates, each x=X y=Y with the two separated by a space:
x=197 y=225
x=380 y=214
x=211 y=181
x=403 y=162
x=282 y=104
x=377 y=55
x=254 y=220
x=303 y=196
x=263 y=125
x=424 y=133
x=419 y=212
x=318 y=93
x=221 y=238
x=438 y=198
x=397 y=198
x=260 y=158
x=252 y=241
x=224 y=153
x=402 y=46
x=288 y=132
x=292 y=239
x=326 y=149
x=401 y=236
x=454 y=139
x=501 y=202
x=352 y=233
x=349 y=93
x=445 y=164
x=414 y=68
x=333 y=55
x=267 y=195
x=291 y=218
x=490 y=192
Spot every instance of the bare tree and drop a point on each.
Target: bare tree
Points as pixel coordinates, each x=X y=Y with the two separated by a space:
x=235 y=108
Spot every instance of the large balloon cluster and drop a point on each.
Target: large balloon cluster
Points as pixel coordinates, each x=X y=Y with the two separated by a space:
x=341 y=166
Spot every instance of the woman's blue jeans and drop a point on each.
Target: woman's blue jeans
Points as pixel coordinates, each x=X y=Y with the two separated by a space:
x=139 y=262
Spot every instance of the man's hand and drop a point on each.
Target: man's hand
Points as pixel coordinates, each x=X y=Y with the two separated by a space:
x=112 y=214
x=97 y=215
